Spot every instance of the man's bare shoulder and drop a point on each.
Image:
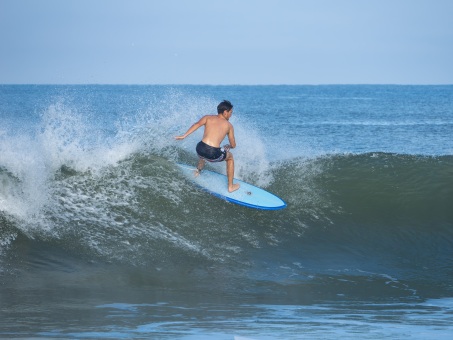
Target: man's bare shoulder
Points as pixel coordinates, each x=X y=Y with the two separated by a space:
x=203 y=120
x=207 y=117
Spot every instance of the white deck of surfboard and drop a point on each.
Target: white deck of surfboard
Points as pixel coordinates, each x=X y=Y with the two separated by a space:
x=247 y=195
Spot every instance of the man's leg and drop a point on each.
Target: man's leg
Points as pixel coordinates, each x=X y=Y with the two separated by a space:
x=200 y=166
x=230 y=172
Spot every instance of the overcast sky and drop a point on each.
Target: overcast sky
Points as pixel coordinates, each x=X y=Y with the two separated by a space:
x=226 y=41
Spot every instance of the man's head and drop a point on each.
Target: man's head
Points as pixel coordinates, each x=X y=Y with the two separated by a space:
x=225 y=105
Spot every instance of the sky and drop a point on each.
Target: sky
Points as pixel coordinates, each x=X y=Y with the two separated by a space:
x=223 y=42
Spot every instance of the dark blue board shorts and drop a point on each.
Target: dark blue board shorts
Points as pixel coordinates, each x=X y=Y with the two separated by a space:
x=210 y=153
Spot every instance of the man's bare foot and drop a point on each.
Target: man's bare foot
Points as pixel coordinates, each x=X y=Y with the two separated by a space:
x=234 y=187
x=196 y=173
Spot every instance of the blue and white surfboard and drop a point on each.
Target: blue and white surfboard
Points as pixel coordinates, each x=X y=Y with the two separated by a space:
x=247 y=195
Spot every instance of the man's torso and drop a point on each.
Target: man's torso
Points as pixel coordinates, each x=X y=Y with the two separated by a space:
x=215 y=130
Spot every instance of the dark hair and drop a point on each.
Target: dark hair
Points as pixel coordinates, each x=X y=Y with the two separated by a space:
x=225 y=105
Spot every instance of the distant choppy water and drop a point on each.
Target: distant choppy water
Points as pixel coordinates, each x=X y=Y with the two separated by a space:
x=102 y=237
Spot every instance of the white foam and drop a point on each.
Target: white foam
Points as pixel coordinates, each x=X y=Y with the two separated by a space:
x=251 y=159
x=69 y=138
x=63 y=137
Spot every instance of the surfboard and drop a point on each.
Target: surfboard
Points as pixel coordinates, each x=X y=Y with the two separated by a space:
x=247 y=195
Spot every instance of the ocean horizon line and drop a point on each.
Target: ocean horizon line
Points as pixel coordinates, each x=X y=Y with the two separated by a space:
x=226 y=85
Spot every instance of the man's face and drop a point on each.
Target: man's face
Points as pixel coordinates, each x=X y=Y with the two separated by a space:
x=228 y=114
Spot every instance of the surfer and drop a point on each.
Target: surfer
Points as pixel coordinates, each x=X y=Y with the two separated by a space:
x=215 y=130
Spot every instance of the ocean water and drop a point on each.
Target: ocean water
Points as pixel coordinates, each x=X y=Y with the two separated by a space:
x=102 y=237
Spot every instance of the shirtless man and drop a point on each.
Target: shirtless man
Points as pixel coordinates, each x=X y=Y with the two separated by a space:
x=216 y=128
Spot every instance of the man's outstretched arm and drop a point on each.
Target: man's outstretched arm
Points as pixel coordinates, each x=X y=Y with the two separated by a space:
x=193 y=128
